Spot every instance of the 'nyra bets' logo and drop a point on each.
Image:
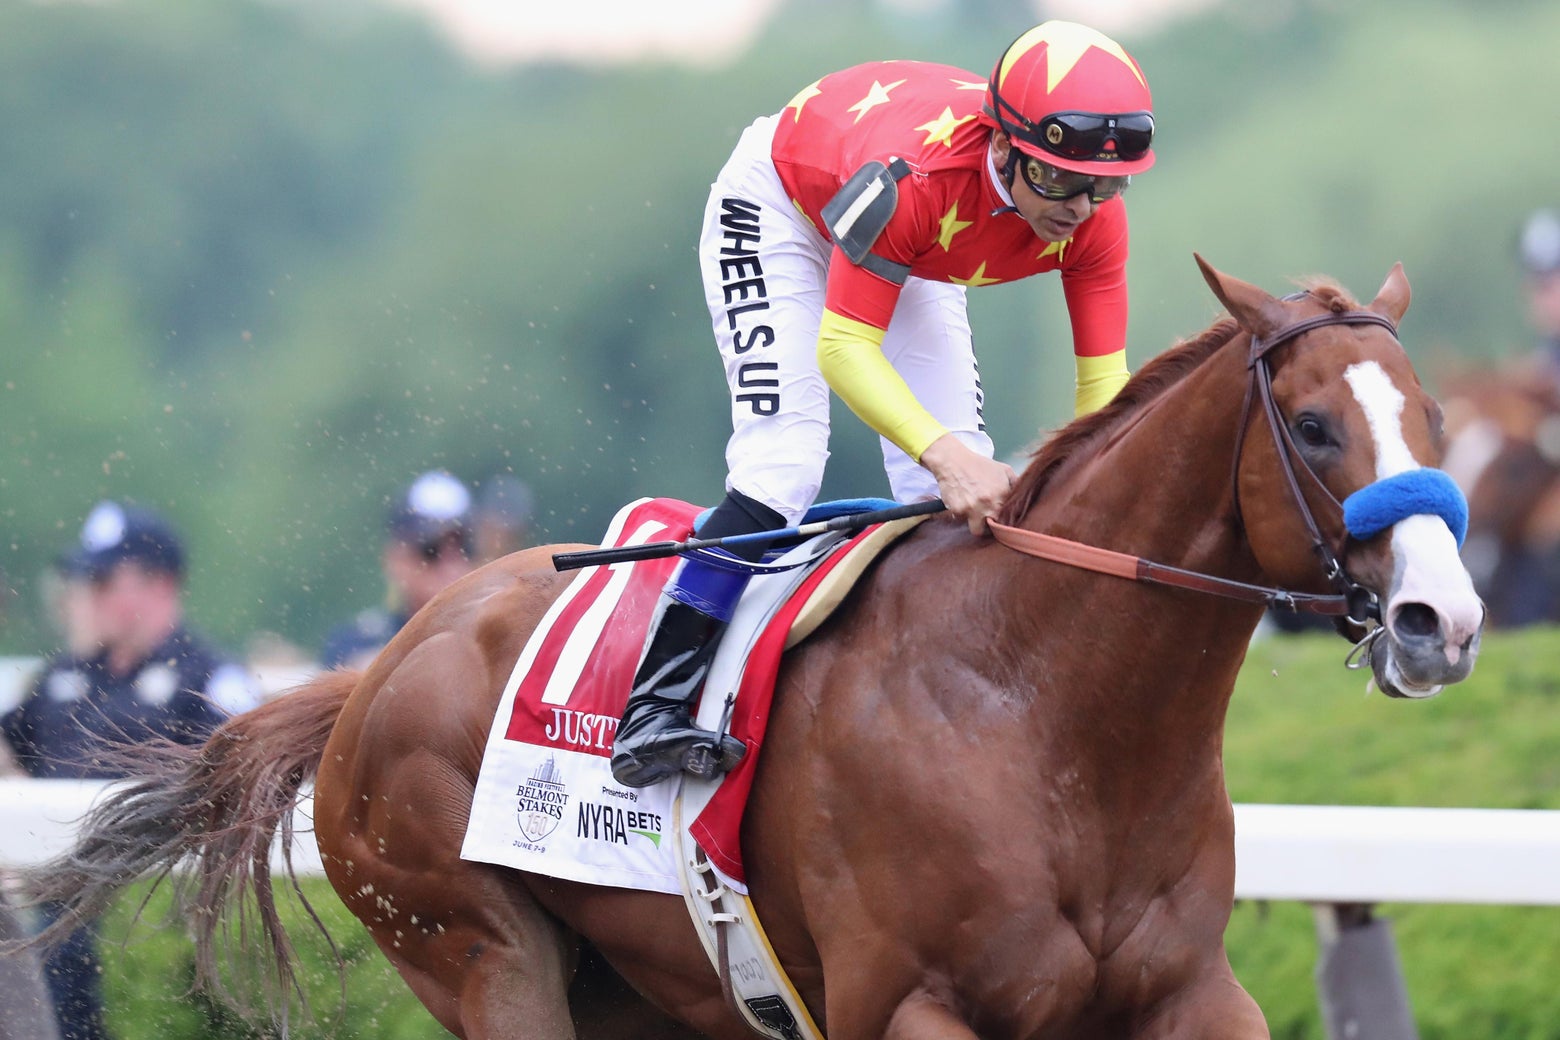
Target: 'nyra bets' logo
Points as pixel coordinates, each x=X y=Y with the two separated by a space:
x=616 y=824
x=542 y=799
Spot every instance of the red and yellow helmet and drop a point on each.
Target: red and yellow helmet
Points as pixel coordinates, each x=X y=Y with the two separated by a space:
x=1071 y=96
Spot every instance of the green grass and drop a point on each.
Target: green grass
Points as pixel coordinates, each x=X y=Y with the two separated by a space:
x=149 y=968
x=1301 y=730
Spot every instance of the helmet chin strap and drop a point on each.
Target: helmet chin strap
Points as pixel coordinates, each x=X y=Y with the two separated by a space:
x=1007 y=170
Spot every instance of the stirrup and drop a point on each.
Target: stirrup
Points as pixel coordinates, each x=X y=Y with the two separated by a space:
x=701 y=754
x=707 y=759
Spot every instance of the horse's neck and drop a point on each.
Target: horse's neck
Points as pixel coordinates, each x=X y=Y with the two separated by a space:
x=1157 y=663
x=1161 y=488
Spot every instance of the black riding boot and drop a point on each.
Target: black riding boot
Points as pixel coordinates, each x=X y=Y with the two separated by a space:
x=657 y=737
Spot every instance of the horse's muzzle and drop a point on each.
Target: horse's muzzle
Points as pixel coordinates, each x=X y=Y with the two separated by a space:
x=1424 y=650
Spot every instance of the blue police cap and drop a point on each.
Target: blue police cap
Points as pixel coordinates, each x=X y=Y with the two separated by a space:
x=114 y=533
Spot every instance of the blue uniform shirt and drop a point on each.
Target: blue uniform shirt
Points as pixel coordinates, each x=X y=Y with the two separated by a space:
x=181 y=692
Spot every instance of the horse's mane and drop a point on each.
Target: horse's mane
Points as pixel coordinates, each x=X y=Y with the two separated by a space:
x=1153 y=379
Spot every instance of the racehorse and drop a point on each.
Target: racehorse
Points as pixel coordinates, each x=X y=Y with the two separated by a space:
x=991 y=800
x=1503 y=447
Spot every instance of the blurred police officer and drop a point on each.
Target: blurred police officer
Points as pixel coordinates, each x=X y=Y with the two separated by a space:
x=428 y=545
x=148 y=677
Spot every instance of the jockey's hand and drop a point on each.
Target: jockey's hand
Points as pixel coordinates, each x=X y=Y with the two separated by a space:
x=972 y=486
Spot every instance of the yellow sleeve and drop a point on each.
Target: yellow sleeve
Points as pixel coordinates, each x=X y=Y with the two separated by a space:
x=850 y=355
x=1099 y=378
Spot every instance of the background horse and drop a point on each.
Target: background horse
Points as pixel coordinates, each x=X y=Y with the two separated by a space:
x=1503 y=432
x=991 y=801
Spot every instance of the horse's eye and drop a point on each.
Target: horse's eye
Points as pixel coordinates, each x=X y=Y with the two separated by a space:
x=1312 y=431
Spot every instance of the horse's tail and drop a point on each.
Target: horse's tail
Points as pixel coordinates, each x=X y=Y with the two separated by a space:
x=212 y=811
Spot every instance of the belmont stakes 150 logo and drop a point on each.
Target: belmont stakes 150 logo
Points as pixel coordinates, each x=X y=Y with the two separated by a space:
x=541 y=801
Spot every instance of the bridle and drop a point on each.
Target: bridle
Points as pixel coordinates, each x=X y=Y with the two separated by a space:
x=1360 y=600
x=1352 y=602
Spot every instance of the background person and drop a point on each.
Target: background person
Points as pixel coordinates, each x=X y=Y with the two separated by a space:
x=501 y=518
x=148 y=677
x=838 y=243
x=428 y=545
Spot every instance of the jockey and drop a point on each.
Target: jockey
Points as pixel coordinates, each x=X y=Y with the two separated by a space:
x=837 y=245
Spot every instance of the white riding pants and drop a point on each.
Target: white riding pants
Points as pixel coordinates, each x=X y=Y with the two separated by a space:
x=764 y=267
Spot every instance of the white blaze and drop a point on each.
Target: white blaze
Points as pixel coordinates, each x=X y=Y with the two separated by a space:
x=1382 y=404
x=1423 y=547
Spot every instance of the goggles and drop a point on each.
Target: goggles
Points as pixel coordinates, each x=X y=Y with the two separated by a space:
x=1056 y=185
x=1088 y=135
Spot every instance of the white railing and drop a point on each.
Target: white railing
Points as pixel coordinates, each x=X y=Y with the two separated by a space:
x=39 y=818
x=1325 y=854
x=1340 y=859
x=1363 y=854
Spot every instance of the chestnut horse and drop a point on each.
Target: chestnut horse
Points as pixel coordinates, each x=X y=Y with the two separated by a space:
x=991 y=801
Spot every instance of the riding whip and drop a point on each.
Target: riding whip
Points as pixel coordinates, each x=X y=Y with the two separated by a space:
x=655 y=550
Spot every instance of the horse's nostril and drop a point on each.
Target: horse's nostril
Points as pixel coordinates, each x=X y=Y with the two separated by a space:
x=1415 y=620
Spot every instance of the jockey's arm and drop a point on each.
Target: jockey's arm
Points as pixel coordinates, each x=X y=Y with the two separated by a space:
x=850 y=356
x=1096 y=292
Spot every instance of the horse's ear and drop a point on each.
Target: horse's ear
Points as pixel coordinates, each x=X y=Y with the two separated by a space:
x=1392 y=300
x=1257 y=312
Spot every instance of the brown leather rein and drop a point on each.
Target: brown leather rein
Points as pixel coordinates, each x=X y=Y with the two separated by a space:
x=1353 y=601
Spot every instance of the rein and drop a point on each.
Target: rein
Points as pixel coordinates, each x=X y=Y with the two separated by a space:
x=1122 y=565
x=1352 y=601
